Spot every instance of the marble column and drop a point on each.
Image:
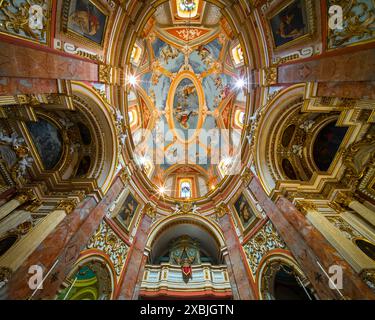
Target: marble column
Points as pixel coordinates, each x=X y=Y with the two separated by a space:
x=232 y=279
x=236 y=263
x=63 y=246
x=350 y=202
x=19 y=252
x=310 y=248
x=136 y=260
x=348 y=250
x=13 y=204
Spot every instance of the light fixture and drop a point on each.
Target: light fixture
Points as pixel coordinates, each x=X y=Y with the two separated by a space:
x=240 y=83
x=162 y=190
x=132 y=80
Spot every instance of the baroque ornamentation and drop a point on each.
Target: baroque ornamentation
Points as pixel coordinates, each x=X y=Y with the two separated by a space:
x=368 y=276
x=221 y=210
x=358 y=23
x=348 y=231
x=106 y=240
x=68 y=205
x=5 y=275
x=305 y=206
x=269 y=76
x=265 y=240
x=26 y=19
x=150 y=210
x=105 y=73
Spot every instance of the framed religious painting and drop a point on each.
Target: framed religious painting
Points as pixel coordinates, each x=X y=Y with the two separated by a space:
x=245 y=213
x=127 y=210
x=291 y=22
x=85 y=21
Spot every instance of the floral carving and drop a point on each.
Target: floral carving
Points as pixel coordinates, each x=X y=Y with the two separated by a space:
x=265 y=240
x=106 y=240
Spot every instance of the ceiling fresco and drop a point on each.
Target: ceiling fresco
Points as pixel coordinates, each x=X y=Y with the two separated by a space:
x=188 y=82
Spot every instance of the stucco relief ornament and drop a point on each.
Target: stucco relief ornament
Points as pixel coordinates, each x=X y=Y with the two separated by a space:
x=12 y=140
x=297 y=150
x=307 y=125
x=5 y=274
x=123 y=137
x=74 y=147
x=23 y=164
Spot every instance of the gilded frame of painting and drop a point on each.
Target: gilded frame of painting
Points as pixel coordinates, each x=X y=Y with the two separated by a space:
x=24 y=38
x=256 y=214
x=120 y=202
x=78 y=37
x=310 y=17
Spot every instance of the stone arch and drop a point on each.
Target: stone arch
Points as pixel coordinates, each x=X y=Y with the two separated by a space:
x=91 y=278
x=197 y=225
x=267 y=278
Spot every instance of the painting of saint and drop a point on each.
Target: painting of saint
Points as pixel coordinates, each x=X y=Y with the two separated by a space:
x=47 y=140
x=127 y=210
x=244 y=211
x=290 y=23
x=186 y=105
x=87 y=20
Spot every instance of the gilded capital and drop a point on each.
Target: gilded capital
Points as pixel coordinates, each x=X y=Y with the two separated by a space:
x=150 y=210
x=68 y=205
x=344 y=198
x=26 y=195
x=221 y=210
x=305 y=206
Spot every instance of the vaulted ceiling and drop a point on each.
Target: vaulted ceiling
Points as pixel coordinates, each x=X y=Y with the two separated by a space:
x=186 y=84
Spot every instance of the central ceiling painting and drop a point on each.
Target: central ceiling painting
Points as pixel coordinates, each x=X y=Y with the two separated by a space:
x=186 y=85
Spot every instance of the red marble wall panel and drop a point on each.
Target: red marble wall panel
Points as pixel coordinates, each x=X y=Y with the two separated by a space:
x=357 y=66
x=354 y=90
x=136 y=260
x=14 y=86
x=23 y=62
x=236 y=263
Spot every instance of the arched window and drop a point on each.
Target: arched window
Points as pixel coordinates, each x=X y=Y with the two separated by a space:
x=185 y=190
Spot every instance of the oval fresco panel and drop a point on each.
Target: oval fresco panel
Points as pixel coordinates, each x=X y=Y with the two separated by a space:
x=185 y=109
